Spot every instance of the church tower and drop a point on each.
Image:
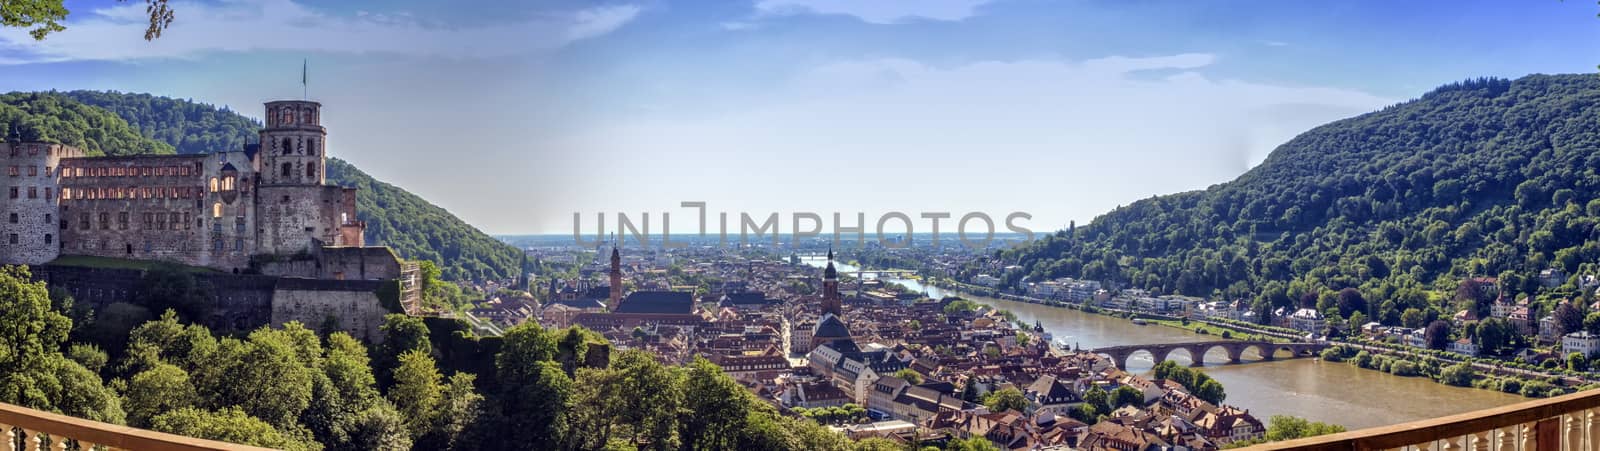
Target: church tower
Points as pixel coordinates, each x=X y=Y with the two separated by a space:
x=616 y=278
x=830 y=289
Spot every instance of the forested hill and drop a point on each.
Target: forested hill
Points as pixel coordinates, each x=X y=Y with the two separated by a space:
x=122 y=123
x=1486 y=177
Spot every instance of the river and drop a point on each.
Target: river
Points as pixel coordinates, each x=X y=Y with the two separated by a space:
x=1320 y=391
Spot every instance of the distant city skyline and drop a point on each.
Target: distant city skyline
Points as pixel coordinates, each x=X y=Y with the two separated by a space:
x=515 y=115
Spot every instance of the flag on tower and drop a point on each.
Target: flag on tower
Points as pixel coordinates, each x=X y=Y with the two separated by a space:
x=303 y=86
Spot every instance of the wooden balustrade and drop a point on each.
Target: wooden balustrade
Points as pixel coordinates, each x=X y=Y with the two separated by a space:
x=1565 y=423
x=32 y=430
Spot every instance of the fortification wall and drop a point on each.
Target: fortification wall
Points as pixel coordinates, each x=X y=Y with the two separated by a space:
x=351 y=306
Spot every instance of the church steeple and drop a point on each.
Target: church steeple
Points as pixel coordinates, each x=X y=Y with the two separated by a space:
x=616 y=277
x=830 y=289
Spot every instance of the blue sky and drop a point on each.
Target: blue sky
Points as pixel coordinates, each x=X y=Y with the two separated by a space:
x=515 y=115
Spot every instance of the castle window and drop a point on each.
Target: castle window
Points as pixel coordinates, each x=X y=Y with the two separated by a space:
x=13 y=218
x=47 y=193
x=288 y=169
x=213 y=184
x=149 y=220
x=105 y=221
x=311 y=170
x=13 y=238
x=216 y=245
x=288 y=146
x=148 y=247
x=122 y=221
x=33 y=192
x=33 y=171
x=227 y=183
x=311 y=147
x=238 y=244
x=216 y=210
x=285 y=197
x=49 y=239
x=238 y=224
x=145 y=171
x=46 y=171
x=14 y=171
x=48 y=219
x=83 y=221
x=216 y=227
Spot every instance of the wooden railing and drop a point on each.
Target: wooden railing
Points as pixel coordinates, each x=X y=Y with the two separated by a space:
x=1565 y=423
x=32 y=430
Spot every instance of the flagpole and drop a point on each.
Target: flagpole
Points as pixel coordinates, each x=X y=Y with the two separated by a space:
x=305 y=90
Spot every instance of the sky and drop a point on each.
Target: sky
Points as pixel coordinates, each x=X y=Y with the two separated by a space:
x=515 y=115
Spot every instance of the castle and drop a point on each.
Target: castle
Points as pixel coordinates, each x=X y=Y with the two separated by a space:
x=216 y=210
x=264 y=211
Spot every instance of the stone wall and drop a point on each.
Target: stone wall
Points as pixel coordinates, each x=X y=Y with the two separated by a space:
x=354 y=306
x=242 y=303
x=29 y=217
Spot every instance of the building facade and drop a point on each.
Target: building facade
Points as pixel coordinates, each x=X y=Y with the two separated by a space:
x=222 y=210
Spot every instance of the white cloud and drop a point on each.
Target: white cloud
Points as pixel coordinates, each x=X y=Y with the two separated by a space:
x=114 y=33
x=876 y=11
x=1275 y=43
x=1057 y=138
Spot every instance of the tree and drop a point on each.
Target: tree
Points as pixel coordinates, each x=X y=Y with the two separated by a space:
x=971 y=444
x=1211 y=391
x=1437 y=335
x=1412 y=318
x=401 y=333
x=229 y=425
x=45 y=16
x=1285 y=427
x=1568 y=318
x=1460 y=375
x=460 y=408
x=909 y=375
x=534 y=390
x=31 y=336
x=719 y=406
x=1125 y=396
x=1350 y=301
x=1591 y=323
x=164 y=388
x=416 y=392
x=1007 y=399
x=264 y=376
x=1494 y=335
x=1577 y=362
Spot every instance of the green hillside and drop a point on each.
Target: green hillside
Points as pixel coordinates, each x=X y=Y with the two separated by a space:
x=120 y=123
x=1486 y=177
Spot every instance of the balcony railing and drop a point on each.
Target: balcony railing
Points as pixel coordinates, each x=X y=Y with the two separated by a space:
x=32 y=430
x=1565 y=423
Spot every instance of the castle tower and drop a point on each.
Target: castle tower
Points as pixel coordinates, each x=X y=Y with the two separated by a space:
x=297 y=212
x=830 y=289
x=292 y=144
x=616 y=278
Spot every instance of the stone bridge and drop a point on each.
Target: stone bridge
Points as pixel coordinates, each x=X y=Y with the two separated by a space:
x=1197 y=350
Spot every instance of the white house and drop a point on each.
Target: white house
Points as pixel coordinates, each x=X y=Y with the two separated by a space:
x=1464 y=347
x=1580 y=341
